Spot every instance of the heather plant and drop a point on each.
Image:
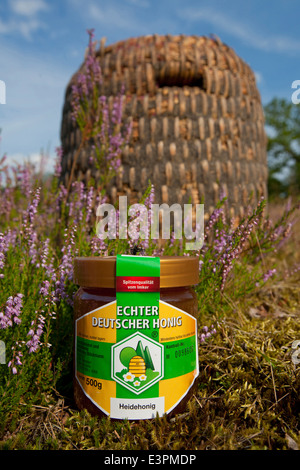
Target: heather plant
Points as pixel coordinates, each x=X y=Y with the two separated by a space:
x=100 y=121
x=27 y=308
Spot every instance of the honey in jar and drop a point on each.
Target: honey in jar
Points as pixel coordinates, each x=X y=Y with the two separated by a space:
x=135 y=348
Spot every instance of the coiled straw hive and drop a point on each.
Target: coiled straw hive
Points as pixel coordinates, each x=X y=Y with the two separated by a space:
x=198 y=125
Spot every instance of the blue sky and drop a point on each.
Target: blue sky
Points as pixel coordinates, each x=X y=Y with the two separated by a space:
x=42 y=43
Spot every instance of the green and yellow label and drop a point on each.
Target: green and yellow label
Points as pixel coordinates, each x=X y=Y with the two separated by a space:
x=136 y=357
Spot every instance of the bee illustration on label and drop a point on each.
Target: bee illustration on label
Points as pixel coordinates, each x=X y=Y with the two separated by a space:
x=137 y=362
x=137 y=366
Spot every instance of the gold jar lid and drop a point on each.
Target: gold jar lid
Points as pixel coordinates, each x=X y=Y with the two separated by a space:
x=97 y=271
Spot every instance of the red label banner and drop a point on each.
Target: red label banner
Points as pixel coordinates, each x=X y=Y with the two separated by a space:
x=137 y=284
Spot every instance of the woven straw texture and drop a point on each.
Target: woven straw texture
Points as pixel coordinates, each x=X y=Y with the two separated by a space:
x=198 y=125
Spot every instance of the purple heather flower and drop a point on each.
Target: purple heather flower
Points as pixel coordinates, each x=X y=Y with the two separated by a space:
x=16 y=359
x=149 y=200
x=3 y=249
x=34 y=342
x=44 y=289
x=12 y=312
x=235 y=244
x=89 y=204
x=216 y=214
x=269 y=274
x=98 y=117
x=66 y=265
x=206 y=333
x=14 y=369
x=30 y=234
x=58 y=160
x=77 y=204
x=32 y=207
x=98 y=246
x=6 y=200
x=83 y=89
x=23 y=175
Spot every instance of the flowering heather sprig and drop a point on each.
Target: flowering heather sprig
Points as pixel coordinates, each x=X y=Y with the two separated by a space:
x=84 y=88
x=30 y=234
x=6 y=201
x=266 y=276
x=98 y=246
x=89 y=204
x=58 y=160
x=285 y=234
x=66 y=265
x=6 y=241
x=92 y=64
x=232 y=252
x=77 y=201
x=110 y=138
x=150 y=198
x=3 y=250
x=46 y=262
x=207 y=333
x=222 y=239
x=270 y=273
x=45 y=253
x=23 y=177
x=25 y=180
x=98 y=118
x=80 y=203
x=117 y=110
x=16 y=359
x=32 y=209
x=12 y=312
x=44 y=289
x=214 y=217
x=35 y=335
x=277 y=234
x=49 y=298
x=234 y=244
x=60 y=197
x=67 y=258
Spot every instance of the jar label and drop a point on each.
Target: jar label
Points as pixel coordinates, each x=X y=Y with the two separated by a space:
x=136 y=357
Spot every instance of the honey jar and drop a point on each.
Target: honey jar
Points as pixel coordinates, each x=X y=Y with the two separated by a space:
x=135 y=335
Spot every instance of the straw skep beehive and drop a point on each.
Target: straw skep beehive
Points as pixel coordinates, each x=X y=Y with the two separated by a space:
x=198 y=124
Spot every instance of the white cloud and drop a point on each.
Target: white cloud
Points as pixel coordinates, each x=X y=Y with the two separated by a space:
x=28 y=7
x=242 y=31
x=258 y=77
x=24 y=18
x=42 y=162
x=118 y=19
x=113 y=17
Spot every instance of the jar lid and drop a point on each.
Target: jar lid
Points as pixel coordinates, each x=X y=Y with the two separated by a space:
x=97 y=271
